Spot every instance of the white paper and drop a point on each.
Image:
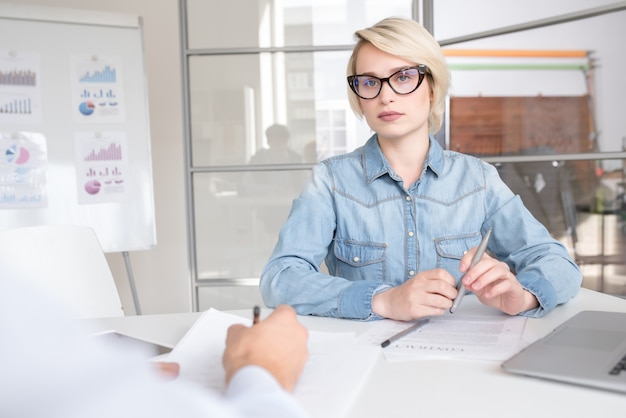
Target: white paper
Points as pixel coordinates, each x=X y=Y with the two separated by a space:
x=335 y=363
x=462 y=336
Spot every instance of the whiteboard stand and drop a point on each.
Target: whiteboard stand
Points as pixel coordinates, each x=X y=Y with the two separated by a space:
x=131 y=280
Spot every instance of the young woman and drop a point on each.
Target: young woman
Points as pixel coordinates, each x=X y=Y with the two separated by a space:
x=397 y=221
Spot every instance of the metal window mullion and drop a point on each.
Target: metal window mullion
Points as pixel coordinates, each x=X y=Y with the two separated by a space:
x=191 y=234
x=260 y=50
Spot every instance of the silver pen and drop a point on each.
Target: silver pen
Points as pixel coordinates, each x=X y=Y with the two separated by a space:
x=482 y=247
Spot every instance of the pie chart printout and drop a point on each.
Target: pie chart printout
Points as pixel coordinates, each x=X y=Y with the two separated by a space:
x=86 y=108
x=92 y=187
x=17 y=155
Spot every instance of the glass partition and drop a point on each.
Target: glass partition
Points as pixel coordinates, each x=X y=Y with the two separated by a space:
x=547 y=120
x=235 y=98
x=284 y=23
x=237 y=219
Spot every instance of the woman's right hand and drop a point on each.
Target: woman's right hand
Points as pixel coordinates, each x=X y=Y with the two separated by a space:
x=428 y=293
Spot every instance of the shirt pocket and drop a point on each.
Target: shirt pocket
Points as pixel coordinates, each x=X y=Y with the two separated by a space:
x=360 y=260
x=450 y=250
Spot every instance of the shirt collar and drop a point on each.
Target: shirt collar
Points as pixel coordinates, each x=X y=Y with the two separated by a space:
x=375 y=164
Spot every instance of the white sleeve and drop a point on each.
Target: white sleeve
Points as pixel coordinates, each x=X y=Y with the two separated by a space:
x=53 y=368
x=256 y=393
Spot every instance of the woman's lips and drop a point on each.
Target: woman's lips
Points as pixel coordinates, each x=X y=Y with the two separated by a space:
x=389 y=116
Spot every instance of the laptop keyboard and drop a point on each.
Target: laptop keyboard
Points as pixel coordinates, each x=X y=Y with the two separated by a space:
x=619 y=367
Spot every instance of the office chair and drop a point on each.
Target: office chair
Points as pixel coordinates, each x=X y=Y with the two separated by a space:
x=66 y=261
x=538 y=184
x=546 y=189
x=601 y=259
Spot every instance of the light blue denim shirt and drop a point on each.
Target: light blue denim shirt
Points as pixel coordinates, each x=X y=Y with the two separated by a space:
x=355 y=215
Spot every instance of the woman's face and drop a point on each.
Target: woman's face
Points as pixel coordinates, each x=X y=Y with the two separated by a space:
x=392 y=115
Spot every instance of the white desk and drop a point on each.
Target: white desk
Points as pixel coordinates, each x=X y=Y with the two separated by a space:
x=437 y=388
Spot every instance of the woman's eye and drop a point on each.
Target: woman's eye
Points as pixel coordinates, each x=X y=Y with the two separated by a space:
x=370 y=83
x=406 y=75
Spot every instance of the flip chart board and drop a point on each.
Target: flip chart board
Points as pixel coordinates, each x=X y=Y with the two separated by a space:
x=74 y=124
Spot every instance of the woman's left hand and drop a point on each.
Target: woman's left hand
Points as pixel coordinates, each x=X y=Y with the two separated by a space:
x=495 y=285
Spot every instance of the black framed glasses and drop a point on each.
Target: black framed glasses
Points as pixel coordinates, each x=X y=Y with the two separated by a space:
x=405 y=81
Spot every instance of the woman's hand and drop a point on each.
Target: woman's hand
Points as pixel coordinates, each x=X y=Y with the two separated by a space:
x=428 y=293
x=495 y=285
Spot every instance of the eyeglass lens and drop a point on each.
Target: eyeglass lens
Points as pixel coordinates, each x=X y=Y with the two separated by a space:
x=405 y=81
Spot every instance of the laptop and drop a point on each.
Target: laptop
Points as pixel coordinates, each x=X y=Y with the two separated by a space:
x=589 y=349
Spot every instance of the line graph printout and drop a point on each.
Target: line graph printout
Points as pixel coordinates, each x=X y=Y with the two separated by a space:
x=102 y=167
x=493 y=336
x=97 y=89
x=20 y=87
x=23 y=170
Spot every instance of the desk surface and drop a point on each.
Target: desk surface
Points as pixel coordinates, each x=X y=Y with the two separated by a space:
x=436 y=387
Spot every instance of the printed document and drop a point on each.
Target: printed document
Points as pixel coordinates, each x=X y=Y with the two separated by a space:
x=474 y=332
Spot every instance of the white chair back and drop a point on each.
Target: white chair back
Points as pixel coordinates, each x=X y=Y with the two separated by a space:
x=66 y=261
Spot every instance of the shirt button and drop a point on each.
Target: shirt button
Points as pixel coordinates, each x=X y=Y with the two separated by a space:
x=411 y=233
x=355 y=259
x=411 y=273
x=408 y=198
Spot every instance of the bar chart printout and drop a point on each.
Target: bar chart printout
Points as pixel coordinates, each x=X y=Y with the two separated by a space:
x=112 y=152
x=104 y=75
x=102 y=167
x=20 y=87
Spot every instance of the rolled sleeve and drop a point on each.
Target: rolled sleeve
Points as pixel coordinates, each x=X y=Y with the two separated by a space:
x=542 y=290
x=356 y=300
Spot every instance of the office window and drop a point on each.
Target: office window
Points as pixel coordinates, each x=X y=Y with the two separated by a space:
x=281 y=23
x=235 y=98
x=252 y=65
x=237 y=216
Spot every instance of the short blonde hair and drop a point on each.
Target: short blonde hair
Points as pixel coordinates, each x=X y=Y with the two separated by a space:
x=406 y=39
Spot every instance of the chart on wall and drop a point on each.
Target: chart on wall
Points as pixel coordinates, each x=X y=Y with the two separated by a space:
x=101 y=167
x=23 y=168
x=97 y=89
x=20 y=87
x=74 y=124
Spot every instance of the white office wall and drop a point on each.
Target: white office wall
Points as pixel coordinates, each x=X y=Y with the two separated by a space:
x=161 y=274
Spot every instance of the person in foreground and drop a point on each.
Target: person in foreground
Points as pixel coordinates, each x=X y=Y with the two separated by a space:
x=54 y=368
x=397 y=221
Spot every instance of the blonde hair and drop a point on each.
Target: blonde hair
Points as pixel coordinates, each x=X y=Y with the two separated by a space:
x=406 y=39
